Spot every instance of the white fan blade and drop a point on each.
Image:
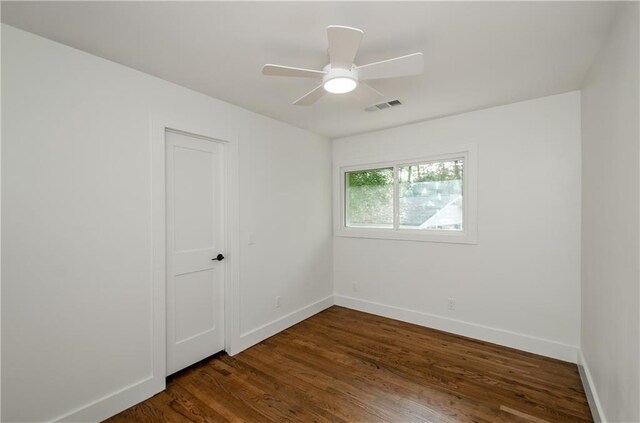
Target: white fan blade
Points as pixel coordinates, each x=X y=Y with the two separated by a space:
x=278 y=70
x=343 y=45
x=367 y=95
x=411 y=64
x=310 y=97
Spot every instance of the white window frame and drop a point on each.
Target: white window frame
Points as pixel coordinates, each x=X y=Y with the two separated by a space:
x=469 y=232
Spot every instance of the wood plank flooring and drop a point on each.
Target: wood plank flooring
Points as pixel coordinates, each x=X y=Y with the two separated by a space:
x=342 y=365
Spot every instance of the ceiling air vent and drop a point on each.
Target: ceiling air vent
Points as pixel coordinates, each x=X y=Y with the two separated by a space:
x=382 y=106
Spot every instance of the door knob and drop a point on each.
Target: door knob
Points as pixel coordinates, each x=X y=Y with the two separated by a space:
x=219 y=257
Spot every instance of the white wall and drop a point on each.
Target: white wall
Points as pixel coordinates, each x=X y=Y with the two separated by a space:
x=520 y=284
x=76 y=233
x=285 y=203
x=610 y=216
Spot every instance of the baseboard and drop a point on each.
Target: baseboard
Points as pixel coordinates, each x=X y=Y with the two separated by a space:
x=116 y=402
x=506 y=338
x=265 y=331
x=590 y=390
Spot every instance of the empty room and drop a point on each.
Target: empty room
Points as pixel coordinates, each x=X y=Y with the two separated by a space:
x=326 y=212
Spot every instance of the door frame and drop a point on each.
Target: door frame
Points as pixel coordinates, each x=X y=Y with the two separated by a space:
x=228 y=138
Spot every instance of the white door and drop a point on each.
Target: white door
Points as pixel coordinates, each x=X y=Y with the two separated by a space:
x=195 y=248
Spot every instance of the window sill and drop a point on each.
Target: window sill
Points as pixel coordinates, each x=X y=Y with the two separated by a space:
x=452 y=237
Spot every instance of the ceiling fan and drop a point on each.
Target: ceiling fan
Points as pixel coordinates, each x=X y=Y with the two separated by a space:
x=342 y=76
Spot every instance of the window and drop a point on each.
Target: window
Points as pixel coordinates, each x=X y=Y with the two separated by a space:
x=430 y=195
x=369 y=198
x=426 y=199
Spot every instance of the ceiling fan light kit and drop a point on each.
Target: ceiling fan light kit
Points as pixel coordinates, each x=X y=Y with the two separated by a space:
x=342 y=76
x=339 y=81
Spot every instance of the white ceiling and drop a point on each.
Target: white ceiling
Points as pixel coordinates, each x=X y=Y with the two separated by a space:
x=477 y=54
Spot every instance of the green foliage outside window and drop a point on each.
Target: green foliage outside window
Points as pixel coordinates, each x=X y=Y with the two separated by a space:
x=373 y=177
x=370 y=198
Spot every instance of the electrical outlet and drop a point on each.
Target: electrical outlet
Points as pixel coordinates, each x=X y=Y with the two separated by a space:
x=278 y=301
x=452 y=304
x=354 y=286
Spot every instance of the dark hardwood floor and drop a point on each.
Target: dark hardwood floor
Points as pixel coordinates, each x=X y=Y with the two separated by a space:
x=346 y=366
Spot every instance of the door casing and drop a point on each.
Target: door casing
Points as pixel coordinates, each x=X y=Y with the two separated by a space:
x=199 y=128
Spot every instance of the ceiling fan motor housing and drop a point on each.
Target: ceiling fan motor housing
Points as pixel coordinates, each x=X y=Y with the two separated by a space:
x=339 y=74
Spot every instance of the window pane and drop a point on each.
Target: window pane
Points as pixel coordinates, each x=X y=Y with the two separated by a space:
x=430 y=195
x=369 y=198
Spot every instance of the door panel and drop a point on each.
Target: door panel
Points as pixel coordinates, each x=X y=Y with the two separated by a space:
x=195 y=222
x=195 y=310
x=193 y=183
